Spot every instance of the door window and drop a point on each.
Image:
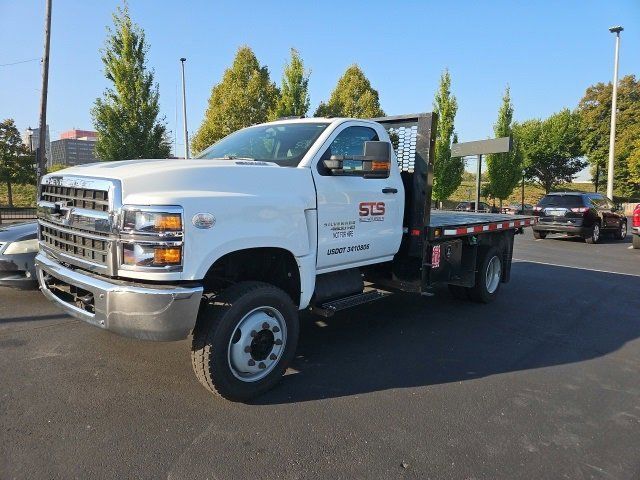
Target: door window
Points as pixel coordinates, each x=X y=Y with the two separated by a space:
x=349 y=142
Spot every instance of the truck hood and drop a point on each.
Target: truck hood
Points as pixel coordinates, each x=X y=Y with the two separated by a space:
x=170 y=181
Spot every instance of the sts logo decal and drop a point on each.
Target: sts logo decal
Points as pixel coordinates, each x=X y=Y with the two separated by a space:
x=371 y=211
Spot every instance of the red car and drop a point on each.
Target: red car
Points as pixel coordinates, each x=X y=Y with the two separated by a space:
x=636 y=227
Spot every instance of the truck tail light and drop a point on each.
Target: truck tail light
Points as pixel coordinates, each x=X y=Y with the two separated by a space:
x=636 y=216
x=580 y=209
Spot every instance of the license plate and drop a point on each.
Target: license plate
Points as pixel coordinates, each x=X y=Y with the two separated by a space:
x=555 y=212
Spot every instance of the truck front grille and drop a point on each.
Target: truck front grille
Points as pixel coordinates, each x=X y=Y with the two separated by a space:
x=86 y=198
x=76 y=243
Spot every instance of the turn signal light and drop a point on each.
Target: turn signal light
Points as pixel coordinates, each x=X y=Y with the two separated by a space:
x=167 y=255
x=168 y=221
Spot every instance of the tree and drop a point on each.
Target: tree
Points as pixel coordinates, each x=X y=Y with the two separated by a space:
x=294 y=91
x=447 y=171
x=126 y=117
x=551 y=148
x=353 y=97
x=17 y=165
x=504 y=170
x=244 y=97
x=595 y=116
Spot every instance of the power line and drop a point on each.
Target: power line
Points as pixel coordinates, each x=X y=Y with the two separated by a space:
x=21 y=61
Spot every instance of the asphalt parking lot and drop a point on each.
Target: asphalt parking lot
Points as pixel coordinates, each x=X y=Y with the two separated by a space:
x=543 y=383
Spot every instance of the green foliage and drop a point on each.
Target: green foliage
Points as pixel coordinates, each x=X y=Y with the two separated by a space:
x=353 y=97
x=17 y=165
x=551 y=148
x=56 y=167
x=126 y=117
x=595 y=115
x=294 y=91
x=447 y=171
x=504 y=170
x=244 y=97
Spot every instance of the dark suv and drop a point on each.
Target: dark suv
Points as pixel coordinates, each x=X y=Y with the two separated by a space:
x=588 y=215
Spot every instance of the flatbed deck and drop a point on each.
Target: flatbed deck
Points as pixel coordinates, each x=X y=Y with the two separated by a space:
x=451 y=223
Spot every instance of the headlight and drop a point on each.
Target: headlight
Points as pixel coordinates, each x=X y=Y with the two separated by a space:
x=152 y=221
x=151 y=255
x=23 y=246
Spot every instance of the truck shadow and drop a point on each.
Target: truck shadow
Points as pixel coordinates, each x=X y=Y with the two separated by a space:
x=546 y=316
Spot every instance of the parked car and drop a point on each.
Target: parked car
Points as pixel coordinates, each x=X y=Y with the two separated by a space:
x=18 y=249
x=588 y=215
x=516 y=209
x=471 y=207
x=636 y=226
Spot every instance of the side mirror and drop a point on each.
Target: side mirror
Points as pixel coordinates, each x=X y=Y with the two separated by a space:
x=374 y=163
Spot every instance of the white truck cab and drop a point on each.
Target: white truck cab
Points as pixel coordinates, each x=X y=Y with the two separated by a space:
x=274 y=218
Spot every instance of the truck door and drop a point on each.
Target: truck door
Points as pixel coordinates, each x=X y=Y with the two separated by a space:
x=360 y=219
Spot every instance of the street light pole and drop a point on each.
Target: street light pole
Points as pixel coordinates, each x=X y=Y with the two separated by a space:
x=614 y=101
x=184 y=112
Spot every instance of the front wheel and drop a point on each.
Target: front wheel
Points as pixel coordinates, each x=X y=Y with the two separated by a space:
x=539 y=234
x=488 y=277
x=595 y=235
x=244 y=340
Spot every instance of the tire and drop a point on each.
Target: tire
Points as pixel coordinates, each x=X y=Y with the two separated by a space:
x=595 y=236
x=539 y=234
x=621 y=233
x=486 y=289
x=458 y=292
x=636 y=241
x=217 y=353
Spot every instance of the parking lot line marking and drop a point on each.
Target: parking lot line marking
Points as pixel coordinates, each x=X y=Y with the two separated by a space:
x=577 y=268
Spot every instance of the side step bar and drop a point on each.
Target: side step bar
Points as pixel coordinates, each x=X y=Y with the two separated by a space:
x=327 y=309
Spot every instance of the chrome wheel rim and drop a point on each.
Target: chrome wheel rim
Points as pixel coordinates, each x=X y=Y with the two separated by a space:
x=623 y=230
x=596 y=232
x=257 y=344
x=494 y=271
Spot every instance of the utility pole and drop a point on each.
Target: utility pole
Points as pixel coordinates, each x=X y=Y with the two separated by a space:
x=41 y=151
x=184 y=112
x=614 y=101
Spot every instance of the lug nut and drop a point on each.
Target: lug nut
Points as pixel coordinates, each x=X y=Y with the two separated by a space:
x=273 y=356
x=262 y=365
x=278 y=342
x=275 y=329
x=253 y=333
x=265 y=325
x=252 y=362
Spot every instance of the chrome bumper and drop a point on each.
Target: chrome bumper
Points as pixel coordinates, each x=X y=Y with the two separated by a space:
x=155 y=312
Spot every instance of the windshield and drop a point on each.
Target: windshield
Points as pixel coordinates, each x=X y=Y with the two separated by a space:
x=284 y=144
x=561 y=201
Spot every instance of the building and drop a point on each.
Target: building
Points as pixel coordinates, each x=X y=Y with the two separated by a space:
x=75 y=147
x=31 y=138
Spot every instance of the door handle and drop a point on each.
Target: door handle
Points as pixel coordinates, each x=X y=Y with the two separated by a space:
x=389 y=190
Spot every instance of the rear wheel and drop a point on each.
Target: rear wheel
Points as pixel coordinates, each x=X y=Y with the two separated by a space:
x=621 y=233
x=636 y=241
x=244 y=340
x=538 y=234
x=488 y=277
x=595 y=235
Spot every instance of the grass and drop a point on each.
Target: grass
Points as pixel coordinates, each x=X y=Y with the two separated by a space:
x=23 y=195
x=532 y=193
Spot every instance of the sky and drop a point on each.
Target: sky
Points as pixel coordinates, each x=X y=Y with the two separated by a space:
x=548 y=52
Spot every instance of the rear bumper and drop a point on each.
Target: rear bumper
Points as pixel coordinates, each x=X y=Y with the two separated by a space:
x=157 y=312
x=562 y=228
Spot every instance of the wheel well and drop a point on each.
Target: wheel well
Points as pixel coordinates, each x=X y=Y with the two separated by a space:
x=276 y=266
